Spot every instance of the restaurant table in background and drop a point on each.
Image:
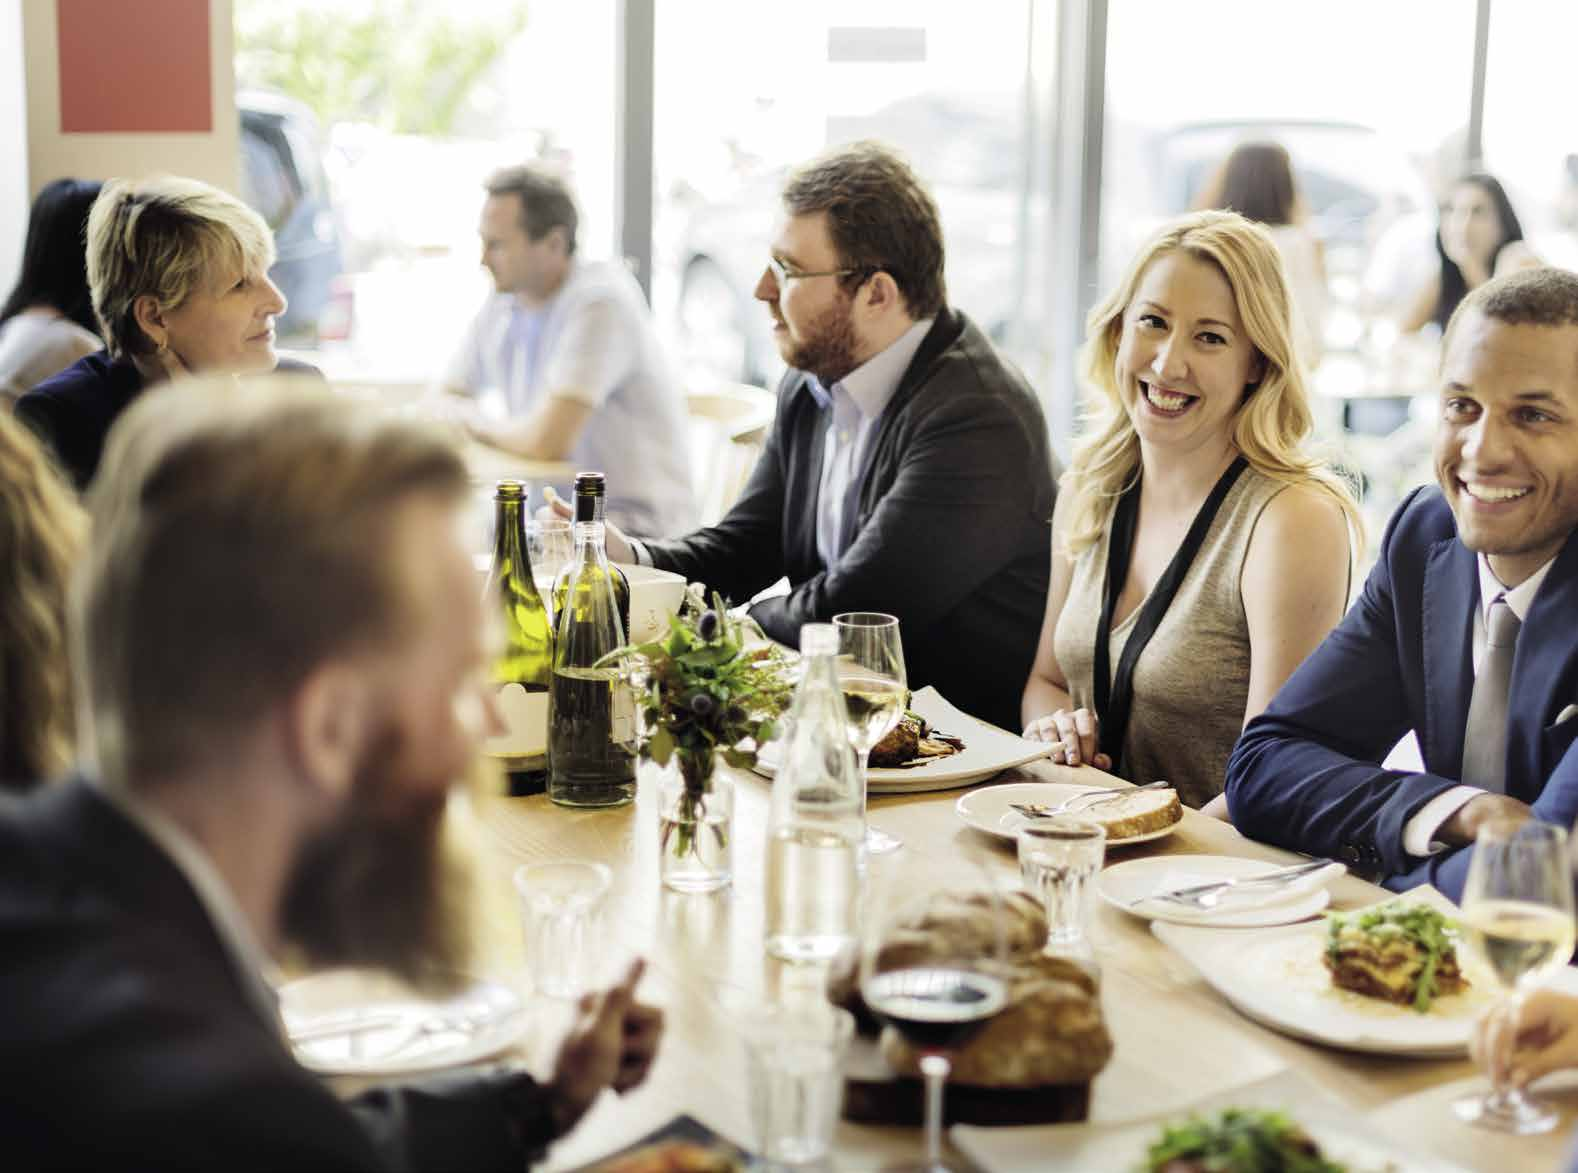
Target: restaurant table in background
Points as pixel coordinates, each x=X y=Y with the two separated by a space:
x=1176 y=1040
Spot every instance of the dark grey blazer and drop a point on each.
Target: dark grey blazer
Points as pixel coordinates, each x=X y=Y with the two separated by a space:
x=127 y=1040
x=951 y=535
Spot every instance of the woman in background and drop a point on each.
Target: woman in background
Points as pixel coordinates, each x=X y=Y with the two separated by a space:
x=1479 y=238
x=47 y=323
x=1257 y=182
x=1199 y=552
x=179 y=274
x=41 y=531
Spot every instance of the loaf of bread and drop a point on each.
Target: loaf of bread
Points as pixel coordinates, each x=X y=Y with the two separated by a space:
x=1139 y=813
x=1051 y=1033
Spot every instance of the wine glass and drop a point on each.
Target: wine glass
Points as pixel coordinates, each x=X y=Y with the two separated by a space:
x=550 y=543
x=871 y=674
x=1518 y=918
x=936 y=976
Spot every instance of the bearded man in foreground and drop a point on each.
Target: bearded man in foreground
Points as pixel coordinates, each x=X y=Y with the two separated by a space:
x=280 y=643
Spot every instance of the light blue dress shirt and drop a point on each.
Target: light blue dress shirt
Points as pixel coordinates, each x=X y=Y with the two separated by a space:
x=856 y=403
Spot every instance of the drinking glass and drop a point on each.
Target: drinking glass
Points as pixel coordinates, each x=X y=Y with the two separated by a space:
x=795 y=1075
x=559 y=906
x=549 y=544
x=1518 y=918
x=871 y=673
x=936 y=988
x=1058 y=859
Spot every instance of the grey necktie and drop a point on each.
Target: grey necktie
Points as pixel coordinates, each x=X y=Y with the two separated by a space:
x=1485 y=738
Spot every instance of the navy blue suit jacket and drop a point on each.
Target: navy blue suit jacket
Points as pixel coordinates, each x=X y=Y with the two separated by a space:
x=1306 y=774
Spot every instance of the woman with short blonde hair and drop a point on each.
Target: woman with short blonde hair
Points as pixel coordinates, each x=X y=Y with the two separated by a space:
x=41 y=533
x=1200 y=551
x=179 y=276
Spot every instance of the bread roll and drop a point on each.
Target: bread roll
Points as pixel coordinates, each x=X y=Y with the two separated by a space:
x=1051 y=1033
x=1139 y=813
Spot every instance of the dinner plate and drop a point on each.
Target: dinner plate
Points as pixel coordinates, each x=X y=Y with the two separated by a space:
x=989 y=809
x=364 y=1022
x=1344 y=1137
x=1276 y=977
x=1252 y=907
x=987 y=751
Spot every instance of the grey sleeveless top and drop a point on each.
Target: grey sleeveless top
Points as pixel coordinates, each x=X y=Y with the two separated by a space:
x=1191 y=682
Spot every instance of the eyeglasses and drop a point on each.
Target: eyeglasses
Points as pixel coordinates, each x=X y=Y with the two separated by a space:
x=783 y=274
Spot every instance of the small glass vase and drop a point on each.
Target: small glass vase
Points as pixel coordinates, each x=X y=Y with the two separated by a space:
x=695 y=825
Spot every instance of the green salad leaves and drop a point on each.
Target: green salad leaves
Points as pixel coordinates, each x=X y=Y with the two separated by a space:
x=1239 y=1140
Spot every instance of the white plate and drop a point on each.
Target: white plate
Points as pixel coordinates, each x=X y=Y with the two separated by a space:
x=987 y=751
x=1252 y=907
x=1275 y=976
x=1101 y=1148
x=988 y=809
x=361 y=1022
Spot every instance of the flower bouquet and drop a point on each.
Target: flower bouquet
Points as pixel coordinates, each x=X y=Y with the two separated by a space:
x=712 y=687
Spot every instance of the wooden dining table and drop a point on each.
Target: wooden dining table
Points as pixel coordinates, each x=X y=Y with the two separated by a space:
x=1177 y=1041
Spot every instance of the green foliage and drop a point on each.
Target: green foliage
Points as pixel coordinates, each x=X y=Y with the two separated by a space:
x=1240 y=1140
x=406 y=65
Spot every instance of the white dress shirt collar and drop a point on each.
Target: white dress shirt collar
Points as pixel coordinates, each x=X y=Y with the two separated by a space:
x=1520 y=598
x=873 y=383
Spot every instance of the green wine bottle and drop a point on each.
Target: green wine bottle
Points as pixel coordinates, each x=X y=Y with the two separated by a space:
x=523 y=671
x=591 y=710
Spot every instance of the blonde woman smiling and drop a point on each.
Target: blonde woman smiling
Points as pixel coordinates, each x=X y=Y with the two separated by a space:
x=1199 y=553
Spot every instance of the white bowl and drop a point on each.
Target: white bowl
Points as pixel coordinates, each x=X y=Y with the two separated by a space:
x=654 y=596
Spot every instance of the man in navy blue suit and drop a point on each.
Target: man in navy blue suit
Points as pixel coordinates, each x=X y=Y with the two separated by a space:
x=1466 y=632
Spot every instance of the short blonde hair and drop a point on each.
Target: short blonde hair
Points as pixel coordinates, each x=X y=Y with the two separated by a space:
x=41 y=534
x=241 y=537
x=165 y=238
x=1273 y=425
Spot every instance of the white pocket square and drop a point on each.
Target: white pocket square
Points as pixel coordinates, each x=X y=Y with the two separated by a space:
x=1567 y=714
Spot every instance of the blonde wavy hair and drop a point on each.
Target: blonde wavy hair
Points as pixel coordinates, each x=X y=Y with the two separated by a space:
x=41 y=533
x=1272 y=427
x=166 y=238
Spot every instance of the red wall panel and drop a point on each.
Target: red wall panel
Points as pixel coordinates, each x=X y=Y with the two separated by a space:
x=135 y=65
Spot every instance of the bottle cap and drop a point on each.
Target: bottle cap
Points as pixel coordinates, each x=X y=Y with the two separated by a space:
x=819 y=639
x=590 y=482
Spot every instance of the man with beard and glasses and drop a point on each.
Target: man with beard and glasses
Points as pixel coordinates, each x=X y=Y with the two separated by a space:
x=908 y=469
x=278 y=644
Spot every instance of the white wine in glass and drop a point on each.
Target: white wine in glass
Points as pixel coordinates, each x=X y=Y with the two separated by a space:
x=871 y=675
x=1518 y=918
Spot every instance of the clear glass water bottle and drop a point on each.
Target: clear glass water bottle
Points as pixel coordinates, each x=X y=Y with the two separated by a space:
x=815 y=828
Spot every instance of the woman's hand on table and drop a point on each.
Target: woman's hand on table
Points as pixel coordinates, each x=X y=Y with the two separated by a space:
x=1545 y=1039
x=612 y=1044
x=1077 y=733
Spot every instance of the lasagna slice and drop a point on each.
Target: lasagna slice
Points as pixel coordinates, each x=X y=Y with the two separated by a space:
x=1397 y=951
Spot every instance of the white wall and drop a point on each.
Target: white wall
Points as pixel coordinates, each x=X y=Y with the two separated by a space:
x=15 y=193
x=213 y=157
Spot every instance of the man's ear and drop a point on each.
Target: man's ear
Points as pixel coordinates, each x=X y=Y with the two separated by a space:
x=327 y=722
x=150 y=318
x=881 y=292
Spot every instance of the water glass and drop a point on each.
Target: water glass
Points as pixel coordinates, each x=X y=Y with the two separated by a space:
x=560 y=905
x=1058 y=858
x=794 y=1058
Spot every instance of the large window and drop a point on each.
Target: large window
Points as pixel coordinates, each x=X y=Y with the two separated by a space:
x=740 y=99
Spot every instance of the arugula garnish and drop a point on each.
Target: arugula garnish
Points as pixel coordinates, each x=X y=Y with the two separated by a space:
x=1239 y=1140
x=1431 y=931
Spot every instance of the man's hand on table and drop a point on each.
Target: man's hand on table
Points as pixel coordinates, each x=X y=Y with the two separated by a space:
x=1077 y=731
x=612 y=1045
x=1463 y=827
x=614 y=540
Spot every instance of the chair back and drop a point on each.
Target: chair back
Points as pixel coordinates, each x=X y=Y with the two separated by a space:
x=728 y=425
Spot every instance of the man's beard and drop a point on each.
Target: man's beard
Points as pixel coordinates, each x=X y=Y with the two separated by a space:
x=382 y=886
x=828 y=348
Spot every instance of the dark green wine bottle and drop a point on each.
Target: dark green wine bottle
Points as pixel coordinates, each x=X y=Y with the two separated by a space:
x=523 y=671
x=591 y=710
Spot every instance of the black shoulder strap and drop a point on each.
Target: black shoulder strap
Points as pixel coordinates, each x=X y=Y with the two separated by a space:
x=1115 y=691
